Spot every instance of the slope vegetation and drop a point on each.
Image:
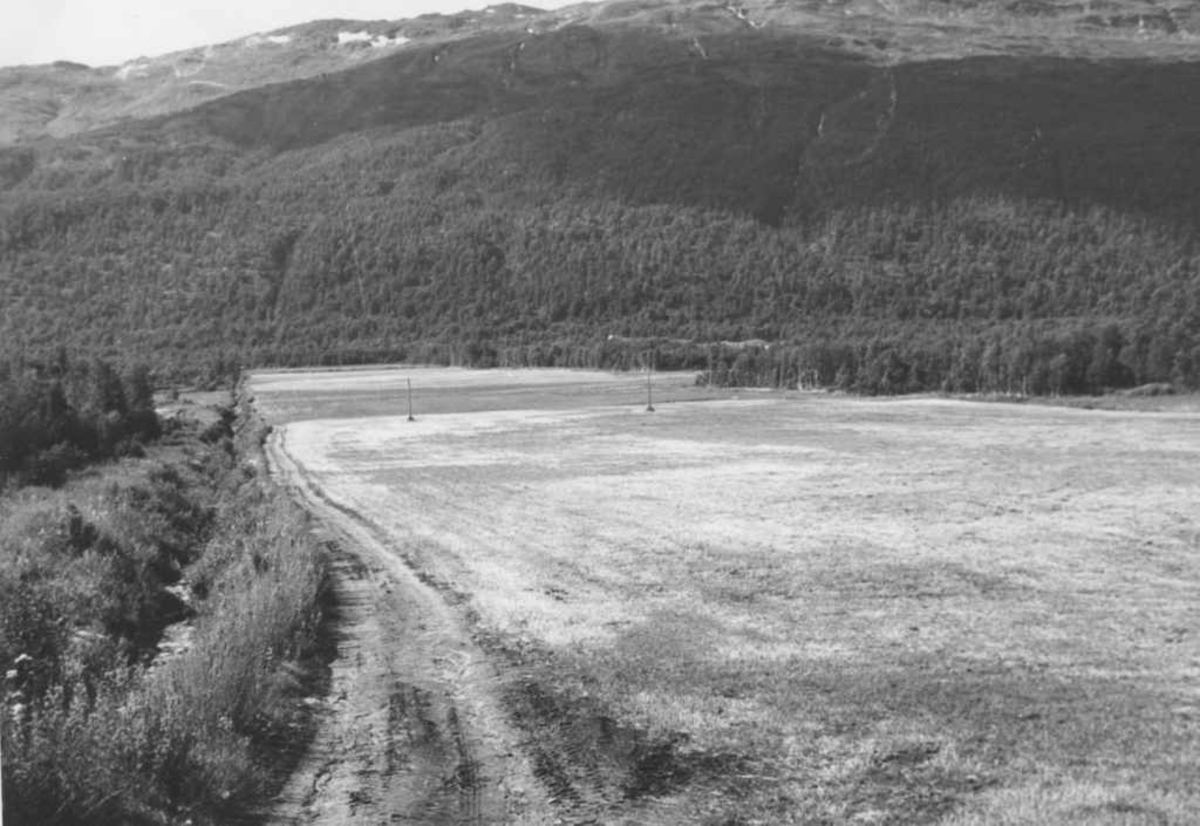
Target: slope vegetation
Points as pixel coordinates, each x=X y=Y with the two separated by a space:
x=606 y=182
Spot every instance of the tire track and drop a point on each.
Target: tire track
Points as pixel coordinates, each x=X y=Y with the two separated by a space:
x=412 y=731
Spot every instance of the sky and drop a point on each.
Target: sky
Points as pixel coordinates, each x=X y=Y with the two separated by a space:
x=111 y=32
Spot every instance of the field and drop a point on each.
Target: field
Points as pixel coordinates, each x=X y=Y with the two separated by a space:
x=803 y=608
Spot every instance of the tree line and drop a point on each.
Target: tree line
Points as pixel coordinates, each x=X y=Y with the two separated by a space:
x=987 y=294
x=60 y=414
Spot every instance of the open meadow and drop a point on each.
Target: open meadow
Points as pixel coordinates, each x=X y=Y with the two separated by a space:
x=791 y=607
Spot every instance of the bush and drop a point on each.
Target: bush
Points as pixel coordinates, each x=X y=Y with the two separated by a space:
x=56 y=418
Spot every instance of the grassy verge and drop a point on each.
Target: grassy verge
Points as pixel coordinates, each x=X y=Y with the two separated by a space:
x=159 y=625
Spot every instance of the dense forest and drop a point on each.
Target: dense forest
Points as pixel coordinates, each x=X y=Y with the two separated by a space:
x=765 y=210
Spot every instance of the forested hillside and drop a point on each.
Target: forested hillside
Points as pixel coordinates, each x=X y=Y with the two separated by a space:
x=760 y=204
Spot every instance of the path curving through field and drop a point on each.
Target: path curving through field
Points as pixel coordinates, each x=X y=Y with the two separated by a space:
x=412 y=731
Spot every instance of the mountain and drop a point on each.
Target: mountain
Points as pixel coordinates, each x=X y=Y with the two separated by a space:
x=885 y=195
x=66 y=98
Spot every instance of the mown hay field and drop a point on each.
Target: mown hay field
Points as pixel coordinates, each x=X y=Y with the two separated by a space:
x=817 y=609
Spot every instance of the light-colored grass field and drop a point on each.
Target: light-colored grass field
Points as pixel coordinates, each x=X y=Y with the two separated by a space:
x=839 y=610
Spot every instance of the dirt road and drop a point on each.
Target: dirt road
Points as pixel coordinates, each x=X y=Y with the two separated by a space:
x=412 y=731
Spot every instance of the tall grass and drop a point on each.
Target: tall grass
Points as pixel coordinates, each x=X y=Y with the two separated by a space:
x=197 y=732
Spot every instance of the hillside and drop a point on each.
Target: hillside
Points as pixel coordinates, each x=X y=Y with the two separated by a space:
x=66 y=98
x=896 y=196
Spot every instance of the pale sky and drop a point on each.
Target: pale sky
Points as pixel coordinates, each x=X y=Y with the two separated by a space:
x=110 y=32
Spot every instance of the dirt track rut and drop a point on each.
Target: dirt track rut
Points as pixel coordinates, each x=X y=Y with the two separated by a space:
x=412 y=731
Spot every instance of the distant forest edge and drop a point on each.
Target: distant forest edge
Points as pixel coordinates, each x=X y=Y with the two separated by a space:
x=765 y=211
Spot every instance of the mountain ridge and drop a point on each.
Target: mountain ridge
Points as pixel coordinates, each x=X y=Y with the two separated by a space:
x=45 y=100
x=38 y=101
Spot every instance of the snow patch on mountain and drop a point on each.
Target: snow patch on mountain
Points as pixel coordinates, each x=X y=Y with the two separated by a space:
x=135 y=68
x=376 y=41
x=273 y=39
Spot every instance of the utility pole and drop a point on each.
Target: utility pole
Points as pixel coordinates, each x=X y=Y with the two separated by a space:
x=649 y=389
x=410 y=415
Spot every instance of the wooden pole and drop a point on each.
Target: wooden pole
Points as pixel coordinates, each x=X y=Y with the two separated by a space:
x=649 y=390
x=410 y=415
